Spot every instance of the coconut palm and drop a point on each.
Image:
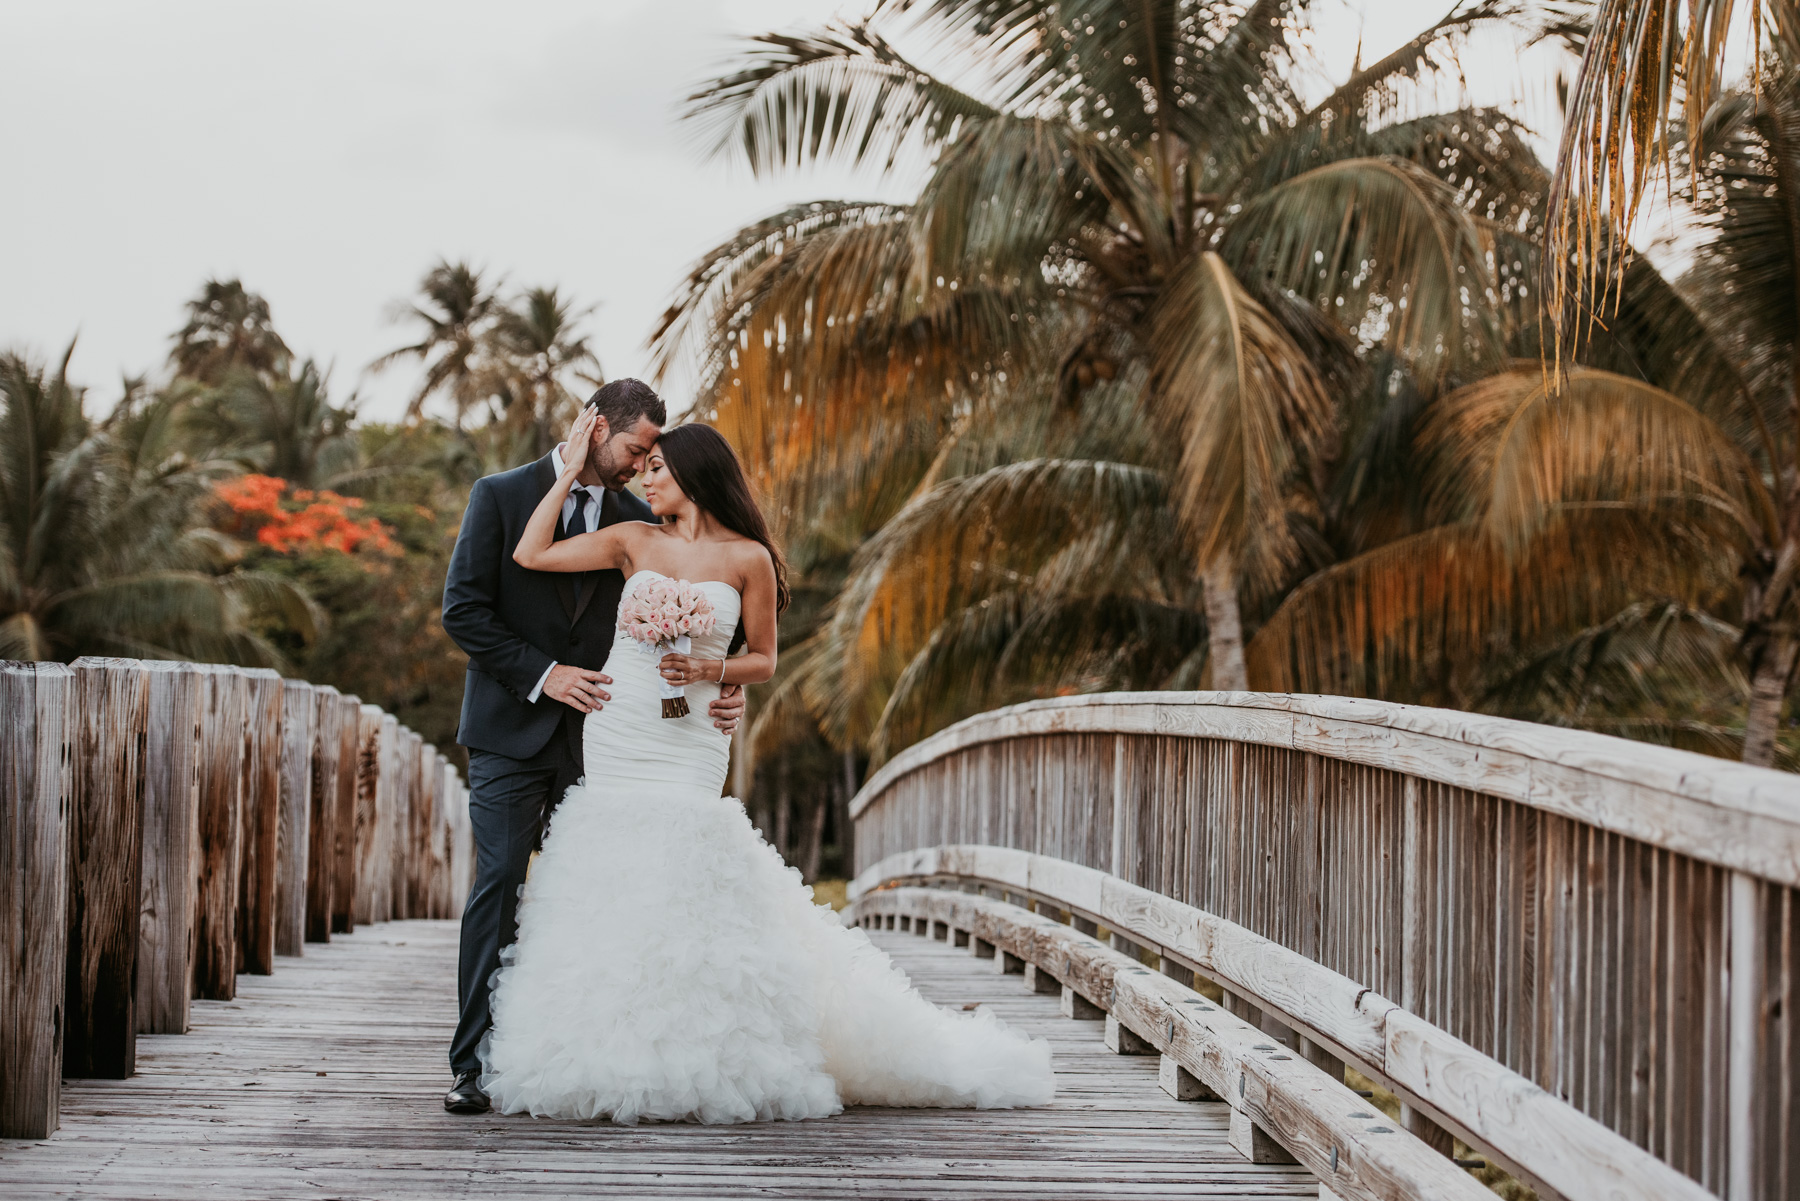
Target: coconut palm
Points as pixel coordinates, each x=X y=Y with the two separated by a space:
x=98 y=554
x=228 y=329
x=1560 y=502
x=538 y=344
x=456 y=307
x=1134 y=208
x=283 y=425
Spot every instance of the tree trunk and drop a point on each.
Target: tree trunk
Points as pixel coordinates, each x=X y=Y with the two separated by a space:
x=1768 y=688
x=846 y=833
x=1224 y=628
x=812 y=839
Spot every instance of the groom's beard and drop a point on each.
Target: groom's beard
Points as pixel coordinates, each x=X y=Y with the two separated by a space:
x=612 y=477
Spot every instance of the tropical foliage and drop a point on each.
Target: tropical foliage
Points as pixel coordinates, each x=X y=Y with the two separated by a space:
x=1183 y=370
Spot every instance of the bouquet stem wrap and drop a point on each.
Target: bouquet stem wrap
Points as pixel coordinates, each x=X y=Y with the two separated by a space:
x=674 y=696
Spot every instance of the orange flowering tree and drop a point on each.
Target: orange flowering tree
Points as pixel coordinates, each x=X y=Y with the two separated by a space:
x=287 y=519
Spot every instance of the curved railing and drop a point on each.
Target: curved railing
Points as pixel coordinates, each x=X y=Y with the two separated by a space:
x=165 y=826
x=1577 y=953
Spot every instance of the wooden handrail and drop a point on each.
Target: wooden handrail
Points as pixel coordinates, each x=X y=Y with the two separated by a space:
x=1557 y=921
x=194 y=821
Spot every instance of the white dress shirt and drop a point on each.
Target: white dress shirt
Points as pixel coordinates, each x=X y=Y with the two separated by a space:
x=590 y=497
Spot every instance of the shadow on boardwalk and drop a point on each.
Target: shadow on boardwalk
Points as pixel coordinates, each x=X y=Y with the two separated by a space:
x=324 y=1081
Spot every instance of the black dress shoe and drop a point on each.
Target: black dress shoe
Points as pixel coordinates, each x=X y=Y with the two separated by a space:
x=465 y=1096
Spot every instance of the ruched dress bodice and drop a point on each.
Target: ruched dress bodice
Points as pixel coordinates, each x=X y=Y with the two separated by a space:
x=629 y=743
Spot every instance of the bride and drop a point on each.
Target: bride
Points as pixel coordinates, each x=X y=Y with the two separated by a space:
x=668 y=964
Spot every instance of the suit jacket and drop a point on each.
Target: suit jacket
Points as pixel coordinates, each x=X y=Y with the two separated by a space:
x=513 y=622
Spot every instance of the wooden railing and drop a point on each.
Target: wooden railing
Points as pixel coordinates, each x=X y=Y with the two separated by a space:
x=166 y=826
x=1578 y=954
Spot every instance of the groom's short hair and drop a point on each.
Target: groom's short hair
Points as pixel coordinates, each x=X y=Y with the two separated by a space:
x=623 y=401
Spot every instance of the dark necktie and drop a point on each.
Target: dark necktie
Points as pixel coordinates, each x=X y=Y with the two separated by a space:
x=577 y=523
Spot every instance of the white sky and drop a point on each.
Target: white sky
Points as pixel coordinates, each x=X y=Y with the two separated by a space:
x=329 y=152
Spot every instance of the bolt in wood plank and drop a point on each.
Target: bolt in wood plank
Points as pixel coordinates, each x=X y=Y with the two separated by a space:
x=106 y=855
x=38 y=700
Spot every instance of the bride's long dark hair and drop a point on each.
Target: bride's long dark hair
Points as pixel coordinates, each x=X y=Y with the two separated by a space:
x=707 y=469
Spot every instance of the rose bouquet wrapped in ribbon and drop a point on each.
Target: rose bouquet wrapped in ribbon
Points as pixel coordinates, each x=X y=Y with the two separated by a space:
x=665 y=615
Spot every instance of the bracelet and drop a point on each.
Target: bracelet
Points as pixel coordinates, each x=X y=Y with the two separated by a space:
x=721 y=670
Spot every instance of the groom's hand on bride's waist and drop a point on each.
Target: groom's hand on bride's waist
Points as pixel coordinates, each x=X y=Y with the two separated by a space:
x=728 y=710
x=579 y=687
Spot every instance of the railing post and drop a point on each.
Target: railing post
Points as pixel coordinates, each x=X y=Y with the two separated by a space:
x=1118 y=808
x=321 y=828
x=1743 y=1043
x=171 y=862
x=220 y=825
x=38 y=701
x=344 y=855
x=106 y=854
x=262 y=820
x=462 y=850
x=299 y=715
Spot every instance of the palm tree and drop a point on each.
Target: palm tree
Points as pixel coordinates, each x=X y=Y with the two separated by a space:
x=1131 y=209
x=1690 y=494
x=537 y=343
x=456 y=307
x=99 y=552
x=283 y=425
x=228 y=328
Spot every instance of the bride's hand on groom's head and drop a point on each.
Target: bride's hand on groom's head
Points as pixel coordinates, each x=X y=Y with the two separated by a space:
x=580 y=435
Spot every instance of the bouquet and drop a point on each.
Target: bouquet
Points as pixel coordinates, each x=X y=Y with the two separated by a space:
x=665 y=615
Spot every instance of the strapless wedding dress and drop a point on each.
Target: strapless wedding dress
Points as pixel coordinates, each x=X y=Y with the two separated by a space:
x=671 y=966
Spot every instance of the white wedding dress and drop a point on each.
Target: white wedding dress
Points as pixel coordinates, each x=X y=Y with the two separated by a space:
x=671 y=966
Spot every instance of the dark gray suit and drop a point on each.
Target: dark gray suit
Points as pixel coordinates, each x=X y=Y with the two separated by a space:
x=513 y=623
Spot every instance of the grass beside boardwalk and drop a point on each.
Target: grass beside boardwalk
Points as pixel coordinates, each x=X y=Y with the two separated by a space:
x=831 y=892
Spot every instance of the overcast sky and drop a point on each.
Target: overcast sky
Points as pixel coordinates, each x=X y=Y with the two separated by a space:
x=329 y=152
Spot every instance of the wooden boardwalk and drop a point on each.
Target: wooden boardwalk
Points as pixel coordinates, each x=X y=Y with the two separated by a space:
x=324 y=1081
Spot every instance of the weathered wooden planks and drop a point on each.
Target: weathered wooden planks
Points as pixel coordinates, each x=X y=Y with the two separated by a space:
x=293 y=840
x=374 y=1011
x=261 y=809
x=220 y=830
x=37 y=706
x=171 y=838
x=112 y=700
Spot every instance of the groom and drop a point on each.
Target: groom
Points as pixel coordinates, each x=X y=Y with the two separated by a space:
x=536 y=642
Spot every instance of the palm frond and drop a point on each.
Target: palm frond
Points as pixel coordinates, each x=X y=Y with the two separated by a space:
x=1420 y=617
x=1514 y=452
x=1385 y=244
x=1246 y=404
x=843 y=92
x=1641 y=56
